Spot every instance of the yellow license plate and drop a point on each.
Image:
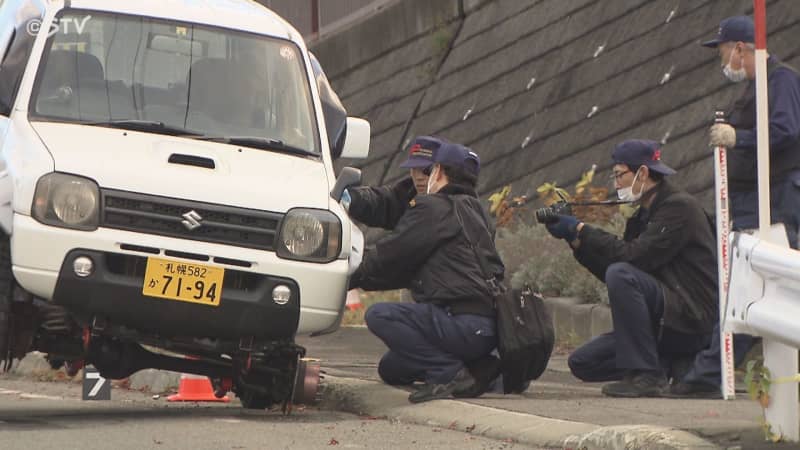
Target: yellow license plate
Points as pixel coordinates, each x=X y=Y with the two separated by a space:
x=185 y=282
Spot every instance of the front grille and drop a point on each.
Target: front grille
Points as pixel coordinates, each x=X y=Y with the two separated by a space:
x=166 y=216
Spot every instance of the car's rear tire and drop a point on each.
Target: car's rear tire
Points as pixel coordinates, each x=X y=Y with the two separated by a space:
x=6 y=292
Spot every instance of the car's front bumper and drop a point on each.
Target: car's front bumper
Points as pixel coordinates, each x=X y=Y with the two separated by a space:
x=42 y=265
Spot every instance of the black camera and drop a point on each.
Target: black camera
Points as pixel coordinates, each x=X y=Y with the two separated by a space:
x=549 y=214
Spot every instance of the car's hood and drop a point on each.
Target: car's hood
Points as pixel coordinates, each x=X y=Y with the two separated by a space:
x=139 y=162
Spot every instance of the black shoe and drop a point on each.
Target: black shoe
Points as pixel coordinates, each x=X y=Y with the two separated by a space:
x=693 y=390
x=484 y=371
x=463 y=380
x=639 y=384
x=679 y=367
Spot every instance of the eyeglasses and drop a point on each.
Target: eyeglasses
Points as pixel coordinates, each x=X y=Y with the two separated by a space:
x=617 y=175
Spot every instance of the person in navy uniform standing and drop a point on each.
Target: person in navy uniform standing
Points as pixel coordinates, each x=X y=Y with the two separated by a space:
x=734 y=42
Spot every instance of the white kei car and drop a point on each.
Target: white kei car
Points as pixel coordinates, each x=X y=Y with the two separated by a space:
x=166 y=180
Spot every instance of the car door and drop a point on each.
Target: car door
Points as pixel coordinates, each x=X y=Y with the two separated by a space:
x=17 y=36
x=19 y=23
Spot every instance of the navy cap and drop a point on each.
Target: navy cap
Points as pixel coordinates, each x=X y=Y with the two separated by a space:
x=641 y=152
x=420 y=153
x=457 y=155
x=428 y=150
x=733 y=29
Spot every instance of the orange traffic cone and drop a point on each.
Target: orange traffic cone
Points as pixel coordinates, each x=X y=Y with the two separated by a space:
x=195 y=388
x=353 y=300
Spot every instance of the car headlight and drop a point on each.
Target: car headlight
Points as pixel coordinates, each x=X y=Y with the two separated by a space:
x=310 y=235
x=67 y=201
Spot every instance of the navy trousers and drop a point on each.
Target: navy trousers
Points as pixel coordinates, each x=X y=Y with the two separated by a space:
x=426 y=342
x=784 y=208
x=638 y=342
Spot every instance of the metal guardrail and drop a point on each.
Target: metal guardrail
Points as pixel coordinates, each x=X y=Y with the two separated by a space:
x=764 y=300
x=764 y=297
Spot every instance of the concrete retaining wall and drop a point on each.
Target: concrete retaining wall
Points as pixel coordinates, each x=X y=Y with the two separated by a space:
x=575 y=322
x=517 y=79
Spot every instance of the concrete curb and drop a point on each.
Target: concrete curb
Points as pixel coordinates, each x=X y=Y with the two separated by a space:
x=576 y=322
x=638 y=436
x=379 y=400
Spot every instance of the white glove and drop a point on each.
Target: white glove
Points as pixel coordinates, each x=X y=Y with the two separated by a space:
x=346 y=199
x=722 y=135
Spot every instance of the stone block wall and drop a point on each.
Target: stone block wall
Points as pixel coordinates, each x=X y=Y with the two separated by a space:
x=542 y=89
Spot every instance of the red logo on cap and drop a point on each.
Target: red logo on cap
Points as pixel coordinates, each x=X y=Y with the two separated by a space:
x=657 y=155
x=414 y=149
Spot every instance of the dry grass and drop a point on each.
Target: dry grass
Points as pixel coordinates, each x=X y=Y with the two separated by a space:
x=534 y=257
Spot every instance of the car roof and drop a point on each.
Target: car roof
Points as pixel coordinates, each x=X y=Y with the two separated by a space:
x=244 y=15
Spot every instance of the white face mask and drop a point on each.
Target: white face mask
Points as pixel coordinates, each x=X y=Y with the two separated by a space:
x=430 y=181
x=626 y=194
x=735 y=76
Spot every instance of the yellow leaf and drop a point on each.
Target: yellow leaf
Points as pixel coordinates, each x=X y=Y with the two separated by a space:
x=627 y=210
x=546 y=188
x=562 y=194
x=764 y=400
x=586 y=179
x=497 y=198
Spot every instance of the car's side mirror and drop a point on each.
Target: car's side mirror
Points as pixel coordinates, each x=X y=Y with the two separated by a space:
x=356 y=143
x=350 y=176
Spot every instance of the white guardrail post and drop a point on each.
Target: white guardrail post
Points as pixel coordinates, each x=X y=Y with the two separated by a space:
x=764 y=300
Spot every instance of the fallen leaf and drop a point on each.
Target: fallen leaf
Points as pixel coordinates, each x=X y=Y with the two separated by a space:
x=452 y=425
x=470 y=428
x=333 y=442
x=764 y=400
x=157 y=442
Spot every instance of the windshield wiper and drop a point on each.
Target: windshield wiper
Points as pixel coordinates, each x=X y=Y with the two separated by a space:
x=260 y=143
x=146 y=125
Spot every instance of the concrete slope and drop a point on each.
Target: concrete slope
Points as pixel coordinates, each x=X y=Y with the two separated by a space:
x=542 y=89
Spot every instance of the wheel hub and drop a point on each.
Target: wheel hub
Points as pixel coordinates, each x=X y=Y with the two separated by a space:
x=307 y=382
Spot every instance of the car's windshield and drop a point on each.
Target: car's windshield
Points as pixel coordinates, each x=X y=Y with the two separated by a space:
x=114 y=68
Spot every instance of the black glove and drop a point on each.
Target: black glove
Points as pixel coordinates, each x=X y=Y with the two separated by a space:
x=565 y=228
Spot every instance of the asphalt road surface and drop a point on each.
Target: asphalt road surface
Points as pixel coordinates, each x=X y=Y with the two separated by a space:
x=51 y=415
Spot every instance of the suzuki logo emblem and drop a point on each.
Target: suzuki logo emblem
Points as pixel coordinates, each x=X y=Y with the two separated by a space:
x=192 y=221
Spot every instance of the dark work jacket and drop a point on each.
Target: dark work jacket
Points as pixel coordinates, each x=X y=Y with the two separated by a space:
x=381 y=206
x=672 y=240
x=784 y=129
x=428 y=253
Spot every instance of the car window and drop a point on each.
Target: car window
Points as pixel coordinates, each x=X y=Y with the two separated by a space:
x=218 y=82
x=332 y=109
x=15 y=58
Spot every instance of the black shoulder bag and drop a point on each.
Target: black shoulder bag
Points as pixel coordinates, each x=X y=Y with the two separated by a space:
x=525 y=334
